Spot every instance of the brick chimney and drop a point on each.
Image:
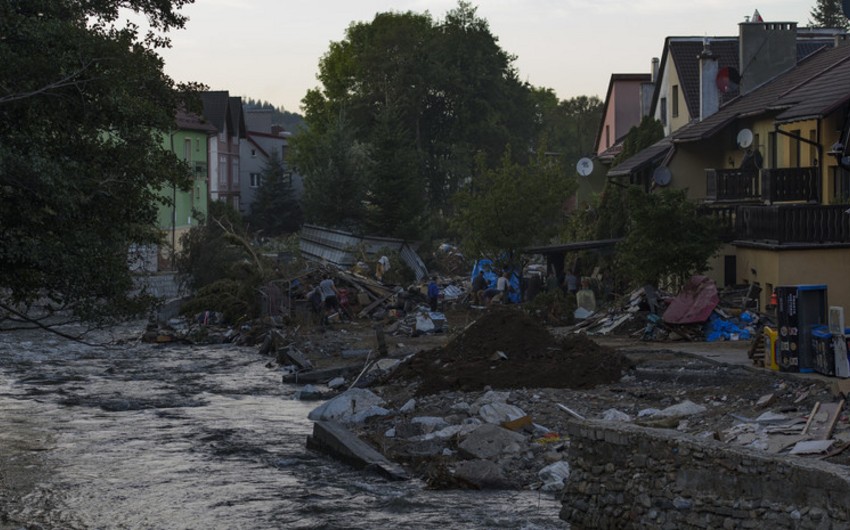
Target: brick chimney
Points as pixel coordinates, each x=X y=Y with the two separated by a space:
x=709 y=94
x=766 y=49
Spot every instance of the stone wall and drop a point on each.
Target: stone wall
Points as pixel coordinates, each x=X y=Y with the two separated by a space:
x=628 y=477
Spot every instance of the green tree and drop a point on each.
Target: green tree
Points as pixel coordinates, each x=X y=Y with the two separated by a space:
x=396 y=205
x=275 y=211
x=828 y=14
x=667 y=239
x=646 y=133
x=512 y=206
x=335 y=165
x=451 y=90
x=83 y=106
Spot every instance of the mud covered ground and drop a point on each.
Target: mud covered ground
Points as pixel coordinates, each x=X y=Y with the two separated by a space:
x=505 y=350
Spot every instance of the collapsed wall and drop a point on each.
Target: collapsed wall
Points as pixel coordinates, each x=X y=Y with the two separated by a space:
x=627 y=477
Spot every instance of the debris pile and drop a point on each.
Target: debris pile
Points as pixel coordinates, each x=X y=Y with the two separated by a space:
x=699 y=312
x=505 y=348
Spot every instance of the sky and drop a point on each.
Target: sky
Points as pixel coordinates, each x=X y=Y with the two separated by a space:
x=270 y=49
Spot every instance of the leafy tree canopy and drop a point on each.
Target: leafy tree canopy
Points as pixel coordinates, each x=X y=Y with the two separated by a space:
x=455 y=100
x=828 y=14
x=512 y=206
x=667 y=239
x=83 y=106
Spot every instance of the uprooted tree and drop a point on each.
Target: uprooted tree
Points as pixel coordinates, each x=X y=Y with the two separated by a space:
x=83 y=108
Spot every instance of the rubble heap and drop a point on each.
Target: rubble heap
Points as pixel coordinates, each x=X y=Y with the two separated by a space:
x=506 y=349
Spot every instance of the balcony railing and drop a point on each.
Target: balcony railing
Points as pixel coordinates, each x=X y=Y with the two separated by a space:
x=768 y=185
x=793 y=224
x=791 y=184
x=732 y=184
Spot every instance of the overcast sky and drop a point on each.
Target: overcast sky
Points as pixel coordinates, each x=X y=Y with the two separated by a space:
x=270 y=49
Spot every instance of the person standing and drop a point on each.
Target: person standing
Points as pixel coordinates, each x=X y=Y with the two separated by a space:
x=571 y=282
x=433 y=293
x=479 y=284
x=330 y=295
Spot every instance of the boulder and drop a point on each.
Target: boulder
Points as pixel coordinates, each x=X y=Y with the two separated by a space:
x=490 y=441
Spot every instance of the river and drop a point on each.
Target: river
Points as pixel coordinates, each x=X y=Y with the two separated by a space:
x=142 y=436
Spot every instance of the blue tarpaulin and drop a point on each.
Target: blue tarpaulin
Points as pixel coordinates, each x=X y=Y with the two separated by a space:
x=491 y=275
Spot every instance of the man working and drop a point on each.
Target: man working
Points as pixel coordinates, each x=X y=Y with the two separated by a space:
x=479 y=284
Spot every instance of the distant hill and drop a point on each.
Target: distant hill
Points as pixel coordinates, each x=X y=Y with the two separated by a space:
x=290 y=121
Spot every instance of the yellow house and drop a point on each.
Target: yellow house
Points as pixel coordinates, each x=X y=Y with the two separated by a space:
x=772 y=162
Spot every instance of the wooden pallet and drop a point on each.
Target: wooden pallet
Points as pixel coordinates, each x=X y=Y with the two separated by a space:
x=756 y=350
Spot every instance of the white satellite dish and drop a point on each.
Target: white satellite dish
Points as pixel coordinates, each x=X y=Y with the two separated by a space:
x=584 y=167
x=745 y=138
x=662 y=176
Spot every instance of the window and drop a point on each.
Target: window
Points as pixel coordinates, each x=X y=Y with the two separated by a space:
x=771 y=149
x=607 y=136
x=840 y=184
x=675 y=102
x=255 y=180
x=663 y=106
x=794 y=149
x=187 y=150
x=813 y=151
x=197 y=144
x=222 y=171
x=234 y=164
x=253 y=153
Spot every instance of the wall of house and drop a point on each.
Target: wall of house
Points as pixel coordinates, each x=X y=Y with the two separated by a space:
x=625 y=476
x=177 y=219
x=688 y=167
x=771 y=268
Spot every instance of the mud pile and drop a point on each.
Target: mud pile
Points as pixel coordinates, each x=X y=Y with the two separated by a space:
x=505 y=349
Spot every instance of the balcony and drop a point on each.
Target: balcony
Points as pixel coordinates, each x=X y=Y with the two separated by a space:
x=768 y=185
x=793 y=224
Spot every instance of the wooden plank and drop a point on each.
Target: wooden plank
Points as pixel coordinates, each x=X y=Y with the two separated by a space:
x=822 y=420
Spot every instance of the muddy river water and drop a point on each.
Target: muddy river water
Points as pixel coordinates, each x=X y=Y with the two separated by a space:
x=194 y=437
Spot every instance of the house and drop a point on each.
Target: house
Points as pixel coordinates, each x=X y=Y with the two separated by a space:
x=261 y=140
x=627 y=101
x=770 y=161
x=685 y=91
x=190 y=142
x=225 y=114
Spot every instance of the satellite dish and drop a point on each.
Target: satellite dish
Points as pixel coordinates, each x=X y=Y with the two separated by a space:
x=662 y=176
x=745 y=138
x=584 y=167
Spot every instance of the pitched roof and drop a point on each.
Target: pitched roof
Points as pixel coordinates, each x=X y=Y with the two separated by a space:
x=812 y=89
x=192 y=122
x=215 y=107
x=650 y=155
x=684 y=52
x=237 y=118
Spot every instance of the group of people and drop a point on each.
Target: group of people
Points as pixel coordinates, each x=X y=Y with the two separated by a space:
x=326 y=299
x=483 y=294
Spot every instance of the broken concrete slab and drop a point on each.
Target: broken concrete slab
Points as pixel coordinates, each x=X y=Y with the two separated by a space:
x=319 y=376
x=482 y=474
x=346 y=405
x=489 y=441
x=332 y=438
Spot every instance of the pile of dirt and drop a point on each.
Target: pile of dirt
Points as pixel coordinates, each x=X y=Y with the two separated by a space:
x=505 y=349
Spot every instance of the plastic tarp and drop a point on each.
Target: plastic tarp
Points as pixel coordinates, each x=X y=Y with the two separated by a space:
x=694 y=304
x=491 y=275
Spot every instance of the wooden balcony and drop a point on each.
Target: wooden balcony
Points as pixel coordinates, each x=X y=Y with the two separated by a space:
x=768 y=185
x=732 y=185
x=793 y=224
